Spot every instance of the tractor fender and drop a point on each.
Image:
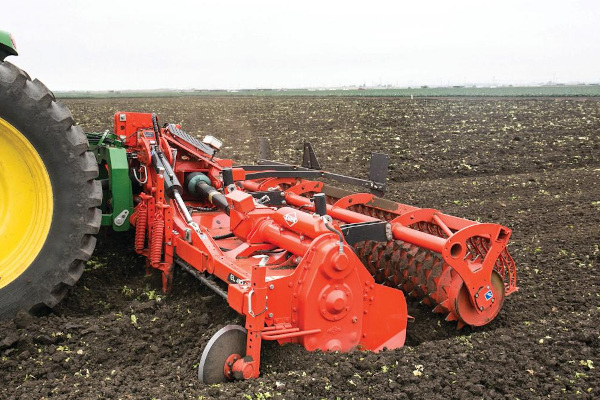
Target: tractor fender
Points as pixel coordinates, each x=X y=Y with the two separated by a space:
x=7 y=45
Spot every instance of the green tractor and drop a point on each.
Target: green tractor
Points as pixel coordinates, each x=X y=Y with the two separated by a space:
x=48 y=193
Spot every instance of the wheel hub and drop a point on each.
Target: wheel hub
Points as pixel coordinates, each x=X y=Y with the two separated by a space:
x=26 y=204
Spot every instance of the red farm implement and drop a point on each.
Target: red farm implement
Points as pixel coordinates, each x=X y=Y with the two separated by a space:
x=302 y=261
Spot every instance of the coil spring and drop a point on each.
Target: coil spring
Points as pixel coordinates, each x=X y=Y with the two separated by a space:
x=157 y=239
x=140 y=226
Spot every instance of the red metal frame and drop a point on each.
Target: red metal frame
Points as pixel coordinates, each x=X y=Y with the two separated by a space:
x=303 y=287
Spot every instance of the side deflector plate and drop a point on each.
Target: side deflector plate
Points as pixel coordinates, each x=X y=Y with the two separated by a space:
x=385 y=321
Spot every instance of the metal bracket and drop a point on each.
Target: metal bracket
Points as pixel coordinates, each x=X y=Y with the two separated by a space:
x=309 y=158
x=265 y=152
x=275 y=197
x=379 y=231
x=116 y=187
x=121 y=218
x=378 y=172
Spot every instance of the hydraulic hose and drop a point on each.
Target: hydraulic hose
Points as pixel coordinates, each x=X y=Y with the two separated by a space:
x=341 y=242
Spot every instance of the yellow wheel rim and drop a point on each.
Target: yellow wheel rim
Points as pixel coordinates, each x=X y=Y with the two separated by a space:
x=25 y=203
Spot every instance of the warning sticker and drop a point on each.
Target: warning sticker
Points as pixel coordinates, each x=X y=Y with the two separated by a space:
x=489 y=295
x=291 y=218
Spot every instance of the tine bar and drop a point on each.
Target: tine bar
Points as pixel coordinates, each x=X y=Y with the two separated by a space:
x=212 y=285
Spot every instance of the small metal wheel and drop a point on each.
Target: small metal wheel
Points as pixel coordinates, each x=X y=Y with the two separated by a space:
x=227 y=342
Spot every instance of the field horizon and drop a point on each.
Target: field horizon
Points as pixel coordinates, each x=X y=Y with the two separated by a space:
x=555 y=90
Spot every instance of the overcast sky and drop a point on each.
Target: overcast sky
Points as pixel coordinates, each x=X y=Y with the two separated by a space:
x=101 y=45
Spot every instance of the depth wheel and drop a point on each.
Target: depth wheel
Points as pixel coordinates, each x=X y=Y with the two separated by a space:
x=48 y=196
x=227 y=345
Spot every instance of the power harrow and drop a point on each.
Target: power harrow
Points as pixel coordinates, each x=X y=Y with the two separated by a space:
x=303 y=261
x=300 y=259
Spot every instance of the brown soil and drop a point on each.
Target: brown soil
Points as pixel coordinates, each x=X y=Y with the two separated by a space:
x=533 y=165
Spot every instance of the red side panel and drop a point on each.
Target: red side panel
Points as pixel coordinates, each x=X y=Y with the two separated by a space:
x=385 y=320
x=127 y=124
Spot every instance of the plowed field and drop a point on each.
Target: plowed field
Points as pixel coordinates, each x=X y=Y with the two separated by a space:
x=530 y=164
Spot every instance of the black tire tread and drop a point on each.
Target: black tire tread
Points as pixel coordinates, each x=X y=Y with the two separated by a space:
x=89 y=223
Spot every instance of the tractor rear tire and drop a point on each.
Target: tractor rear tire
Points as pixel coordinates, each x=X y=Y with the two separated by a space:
x=48 y=196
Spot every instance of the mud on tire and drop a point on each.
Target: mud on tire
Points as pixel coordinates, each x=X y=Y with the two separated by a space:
x=63 y=148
